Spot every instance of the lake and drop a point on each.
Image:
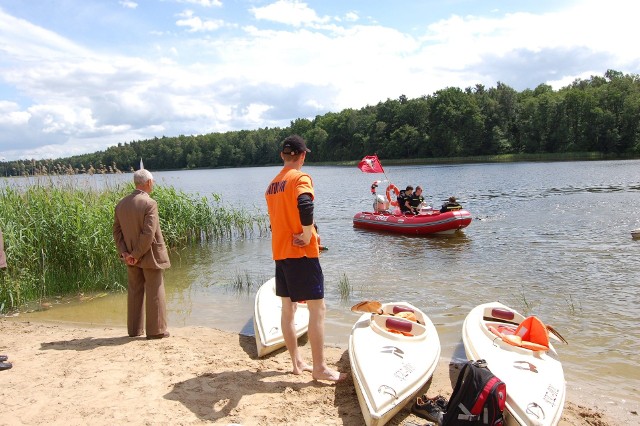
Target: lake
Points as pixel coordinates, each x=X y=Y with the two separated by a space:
x=550 y=238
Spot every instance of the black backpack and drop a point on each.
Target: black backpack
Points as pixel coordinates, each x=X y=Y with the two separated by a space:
x=477 y=399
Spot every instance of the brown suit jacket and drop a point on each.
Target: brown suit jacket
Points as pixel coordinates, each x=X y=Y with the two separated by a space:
x=136 y=230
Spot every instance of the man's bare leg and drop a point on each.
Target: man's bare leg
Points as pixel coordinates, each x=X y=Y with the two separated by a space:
x=321 y=371
x=287 y=324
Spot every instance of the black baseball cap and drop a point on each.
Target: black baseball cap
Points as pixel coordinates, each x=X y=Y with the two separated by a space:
x=294 y=145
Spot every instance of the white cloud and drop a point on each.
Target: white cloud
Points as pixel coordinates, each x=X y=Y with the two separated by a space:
x=204 y=3
x=555 y=47
x=290 y=12
x=73 y=99
x=10 y=115
x=351 y=17
x=128 y=4
x=195 y=23
x=22 y=42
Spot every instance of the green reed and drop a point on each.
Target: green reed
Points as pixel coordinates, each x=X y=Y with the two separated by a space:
x=186 y=218
x=58 y=235
x=572 y=306
x=244 y=283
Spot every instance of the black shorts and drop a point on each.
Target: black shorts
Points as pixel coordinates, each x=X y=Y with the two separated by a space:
x=299 y=279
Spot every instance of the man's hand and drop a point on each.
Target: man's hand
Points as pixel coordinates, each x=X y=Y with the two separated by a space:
x=304 y=238
x=128 y=259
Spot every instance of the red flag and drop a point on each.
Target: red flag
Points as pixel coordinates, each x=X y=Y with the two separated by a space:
x=371 y=164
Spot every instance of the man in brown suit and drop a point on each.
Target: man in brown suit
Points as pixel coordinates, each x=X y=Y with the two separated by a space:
x=136 y=231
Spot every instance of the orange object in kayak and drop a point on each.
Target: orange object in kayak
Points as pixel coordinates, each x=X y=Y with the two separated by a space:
x=530 y=334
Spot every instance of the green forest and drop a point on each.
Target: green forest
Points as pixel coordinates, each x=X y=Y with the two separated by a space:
x=596 y=115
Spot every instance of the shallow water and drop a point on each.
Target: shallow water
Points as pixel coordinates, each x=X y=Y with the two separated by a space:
x=551 y=239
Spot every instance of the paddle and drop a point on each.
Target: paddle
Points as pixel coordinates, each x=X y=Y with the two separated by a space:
x=370 y=306
x=556 y=334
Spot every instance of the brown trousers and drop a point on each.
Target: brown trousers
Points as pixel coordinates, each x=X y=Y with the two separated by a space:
x=146 y=283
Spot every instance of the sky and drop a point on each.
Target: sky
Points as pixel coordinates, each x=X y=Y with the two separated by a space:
x=78 y=76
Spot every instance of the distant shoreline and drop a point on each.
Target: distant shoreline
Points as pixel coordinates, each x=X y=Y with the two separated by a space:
x=503 y=158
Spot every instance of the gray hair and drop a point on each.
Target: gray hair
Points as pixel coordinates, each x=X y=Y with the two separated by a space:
x=140 y=177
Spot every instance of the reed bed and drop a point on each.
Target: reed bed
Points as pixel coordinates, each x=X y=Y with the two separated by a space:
x=244 y=283
x=187 y=219
x=345 y=288
x=58 y=235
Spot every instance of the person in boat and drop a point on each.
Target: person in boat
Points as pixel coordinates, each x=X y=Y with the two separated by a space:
x=404 y=200
x=451 y=204
x=380 y=204
x=417 y=200
x=295 y=250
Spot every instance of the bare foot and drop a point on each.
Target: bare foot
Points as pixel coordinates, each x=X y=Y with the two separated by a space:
x=301 y=367
x=330 y=375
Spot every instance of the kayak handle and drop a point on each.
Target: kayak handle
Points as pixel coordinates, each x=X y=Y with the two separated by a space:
x=388 y=390
x=540 y=412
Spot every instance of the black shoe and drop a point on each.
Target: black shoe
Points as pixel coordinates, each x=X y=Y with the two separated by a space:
x=3 y=358
x=158 y=336
x=5 y=365
x=427 y=409
x=439 y=400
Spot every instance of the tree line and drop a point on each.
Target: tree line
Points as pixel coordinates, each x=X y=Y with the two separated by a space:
x=600 y=114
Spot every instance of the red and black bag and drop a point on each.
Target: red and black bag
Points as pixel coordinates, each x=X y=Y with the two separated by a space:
x=478 y=398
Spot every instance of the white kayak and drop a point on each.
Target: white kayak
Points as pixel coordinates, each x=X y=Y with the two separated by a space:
x=536 y=388
x=266 y=319
x=389 y=369
x=635 y=233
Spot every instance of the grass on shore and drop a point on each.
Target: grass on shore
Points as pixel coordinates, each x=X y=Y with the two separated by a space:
x=58 y=235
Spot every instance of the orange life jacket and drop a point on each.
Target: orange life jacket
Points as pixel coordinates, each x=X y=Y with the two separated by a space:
x=530 y=334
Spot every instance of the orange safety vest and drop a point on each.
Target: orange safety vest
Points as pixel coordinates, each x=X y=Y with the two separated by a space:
x=530 y=334
x=282 y=203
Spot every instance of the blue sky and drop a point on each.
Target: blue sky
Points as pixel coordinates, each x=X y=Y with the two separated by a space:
x=78 y=76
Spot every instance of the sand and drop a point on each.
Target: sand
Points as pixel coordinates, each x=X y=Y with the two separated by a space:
x=71 y=374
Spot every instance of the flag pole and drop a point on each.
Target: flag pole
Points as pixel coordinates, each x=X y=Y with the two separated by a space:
x=387 y=177
x=372 y=164
x=383 y=172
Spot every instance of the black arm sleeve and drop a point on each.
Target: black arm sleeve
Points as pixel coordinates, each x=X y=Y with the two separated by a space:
x=305 y=207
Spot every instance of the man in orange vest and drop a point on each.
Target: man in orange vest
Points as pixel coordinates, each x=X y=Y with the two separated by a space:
x=295 y=248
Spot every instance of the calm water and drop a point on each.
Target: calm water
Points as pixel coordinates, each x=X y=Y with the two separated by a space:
x=551 y=239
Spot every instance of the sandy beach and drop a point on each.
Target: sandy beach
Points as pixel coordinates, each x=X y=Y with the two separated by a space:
x=70 y=374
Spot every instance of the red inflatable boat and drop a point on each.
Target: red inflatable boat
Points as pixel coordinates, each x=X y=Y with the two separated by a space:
x=432 y=222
